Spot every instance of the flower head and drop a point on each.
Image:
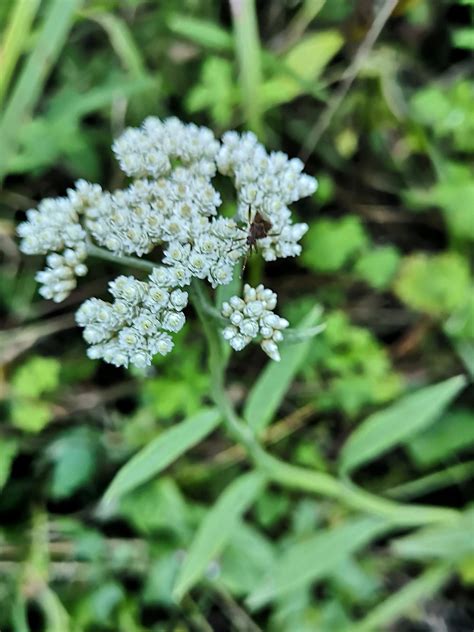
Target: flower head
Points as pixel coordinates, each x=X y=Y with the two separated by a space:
x=172 y=205
x=252 y=317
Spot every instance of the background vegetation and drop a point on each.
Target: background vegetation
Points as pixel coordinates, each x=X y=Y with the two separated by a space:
x=377 y=97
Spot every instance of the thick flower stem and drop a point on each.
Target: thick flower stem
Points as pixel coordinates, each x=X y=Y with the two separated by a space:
x=134 y=262
x=238 y=430
x=291 y=476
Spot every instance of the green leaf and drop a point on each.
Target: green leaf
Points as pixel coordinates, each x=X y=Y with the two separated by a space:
x=216 y=529
x=8 y=451
x=389 y=427
x=122 y=41
x=451 y=434
x=247 y=557
x=36 y=376
x=378 y=266
x=269 y=390
x=156 y=506
x=330 y=244
x=162 y=451
x=464 y=38
x=451 y=541
x=74 y=456
x=52 y=34
x=434 y=284
x=302 y=66
x=15 y=38
x=201 y=32
x=160 y=579
x=447 y=477
x=401 y=602
x=215 y=92
x=30 y=415
x=315 y=557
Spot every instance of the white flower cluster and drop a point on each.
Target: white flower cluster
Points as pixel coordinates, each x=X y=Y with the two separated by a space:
x=170 y=204
x=137 y=325
x=253 y=317
x=266 y=184
x=55 y=227
x=150 y=150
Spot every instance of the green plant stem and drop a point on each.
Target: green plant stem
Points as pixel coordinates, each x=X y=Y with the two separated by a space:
x=238 y=430
x=247 y=45
x=14 y=40
x=289 y=475
x=135 y=262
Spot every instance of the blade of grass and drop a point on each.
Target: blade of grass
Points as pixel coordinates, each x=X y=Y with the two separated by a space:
x=14 y=40
x=247 y=45
x=121 y=39
x=52 y=35
x=453 y=475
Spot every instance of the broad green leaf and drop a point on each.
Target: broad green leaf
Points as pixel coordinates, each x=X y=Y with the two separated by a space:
x=315 y=557
x=401 y=602
x=30 y=415
x=216 y=529
x=464 y=38
x=302 y=66
x=162 y=451
x=330 y=244
x=74 y=457
x=268 y=392
x=451 y=541
x=156 y=506
x=454 y=191
x=36 y=376
x=160 y=578
x=449 y=435
x=378 y=266
x=245 y=560
x=389 y=427
x=435 y=284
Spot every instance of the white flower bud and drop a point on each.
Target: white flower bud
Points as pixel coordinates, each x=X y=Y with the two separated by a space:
x=271 y=350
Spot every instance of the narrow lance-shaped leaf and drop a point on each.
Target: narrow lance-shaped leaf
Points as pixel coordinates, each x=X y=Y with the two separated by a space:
x=162 y=451
x=398 y=604
x=315 y=557
x=273 y=383
x=202 y=32
x=217 y=528
x=385 y=429
x=450 y=541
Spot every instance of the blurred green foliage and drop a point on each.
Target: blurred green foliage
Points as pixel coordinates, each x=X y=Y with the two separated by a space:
x=389 y=257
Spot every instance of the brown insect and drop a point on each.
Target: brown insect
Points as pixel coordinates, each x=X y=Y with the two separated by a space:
x=259 y=228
